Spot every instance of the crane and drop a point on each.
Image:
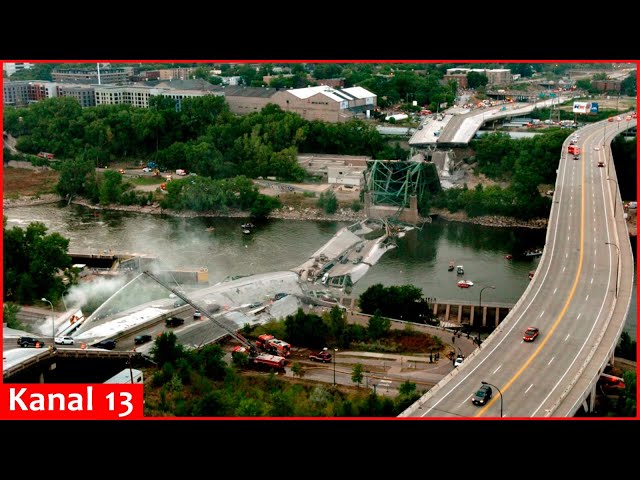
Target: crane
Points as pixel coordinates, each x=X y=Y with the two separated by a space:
x=253 y=351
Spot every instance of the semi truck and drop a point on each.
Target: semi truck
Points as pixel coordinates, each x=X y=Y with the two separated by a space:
x=246 y=351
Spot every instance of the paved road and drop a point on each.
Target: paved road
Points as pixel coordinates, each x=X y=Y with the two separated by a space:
x=570 y=299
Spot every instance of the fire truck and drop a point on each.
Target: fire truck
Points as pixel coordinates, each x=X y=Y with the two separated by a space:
x=255 y=359
x=270 y=344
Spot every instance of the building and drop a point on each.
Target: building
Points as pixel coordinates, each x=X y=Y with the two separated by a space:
x=459 y=78
x=496 y=76
x=606 y=85
x=90 y=76
x=27 y=91
x=336 y=169
x=11 y=68
x=139 y=95
x=175 y=73
x=84 y=94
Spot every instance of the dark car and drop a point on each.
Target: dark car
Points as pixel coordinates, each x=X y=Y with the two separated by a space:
x=322 y=356
x=30 y=342
x=140 y=339
x=278 y=296
x=530 y=334
x=174 y=321
x=482 y=396
x=106 y=344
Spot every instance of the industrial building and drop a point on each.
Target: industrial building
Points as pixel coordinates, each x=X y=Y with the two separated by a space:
x=496 y=76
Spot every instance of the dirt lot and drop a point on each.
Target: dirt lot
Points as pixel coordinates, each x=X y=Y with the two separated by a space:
x=30 y=181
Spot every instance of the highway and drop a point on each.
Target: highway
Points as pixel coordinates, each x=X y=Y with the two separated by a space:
x=571 y=299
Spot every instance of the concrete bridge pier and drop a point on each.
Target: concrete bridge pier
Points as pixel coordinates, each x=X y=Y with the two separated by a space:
x=589 y=402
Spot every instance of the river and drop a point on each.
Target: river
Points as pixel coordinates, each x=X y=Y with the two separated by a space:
x=421 y=257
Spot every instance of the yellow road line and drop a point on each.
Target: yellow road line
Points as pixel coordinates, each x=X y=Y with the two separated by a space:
x=566 y=305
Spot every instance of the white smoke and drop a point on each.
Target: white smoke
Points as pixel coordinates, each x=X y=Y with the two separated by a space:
x=98 y=289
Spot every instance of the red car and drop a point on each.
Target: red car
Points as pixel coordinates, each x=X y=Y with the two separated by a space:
x=530 y=334
x=322 y=356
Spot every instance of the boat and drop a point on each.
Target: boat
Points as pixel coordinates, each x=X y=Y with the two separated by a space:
x=246 y=231
x=460 y=270
x=465 y=283
x=247 y=226
x=451 y=266
x=536 y=252
x=508 y=256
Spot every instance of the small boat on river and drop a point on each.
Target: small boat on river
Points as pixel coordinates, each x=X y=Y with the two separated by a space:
x=460 y=270
x=465 y=283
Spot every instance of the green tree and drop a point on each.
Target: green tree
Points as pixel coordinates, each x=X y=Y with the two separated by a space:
x=476 y=79
x=10 y=315
x=210 y=360
x=77 y=177
x=378 y=326
x=297 y=369
x=407 y=388
x=628 y=86
x=328 y=202
x=306 y=329
x=337 y=322
x=32 y=260
x=166 y=349
x=110 y=187
x=626 y=348
x=357 y=374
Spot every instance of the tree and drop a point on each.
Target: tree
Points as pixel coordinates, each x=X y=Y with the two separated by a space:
x=357 y=374
x=77 y=176
x=297 y=369
x=10 y=315
x=407 y=388
x=328 y=202
x=476 y=79
x=166 y=349
x=627 y=347
x=628 y=86
x=32 y=260
x=378 y=326
x=306 y=329
x=110 y=187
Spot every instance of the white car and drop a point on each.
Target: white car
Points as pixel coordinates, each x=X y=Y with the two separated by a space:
x=596 y=148
x=63 y=341
x=458 y=361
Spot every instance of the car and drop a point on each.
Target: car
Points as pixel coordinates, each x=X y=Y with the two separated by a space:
x=458 y=361
x=596 y=148
x=197 y=314
x=63 y=340
x=633 y=205
x=255 y=305
x=530 y=334
x=121 y=171
x=601 y=163
x=174 y=321
x=179 y=303
x=322 y=356
x=30 y=342
x=106 y=344
x=140 y=339
x=482 y=395
x=280 y=295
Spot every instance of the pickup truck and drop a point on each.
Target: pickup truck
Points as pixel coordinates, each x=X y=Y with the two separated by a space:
x=174 y=322
x=322 y=356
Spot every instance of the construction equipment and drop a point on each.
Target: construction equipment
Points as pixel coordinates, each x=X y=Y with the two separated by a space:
x=245 y=348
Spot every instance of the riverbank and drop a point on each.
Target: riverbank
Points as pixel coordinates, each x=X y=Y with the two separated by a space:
x=284 y=213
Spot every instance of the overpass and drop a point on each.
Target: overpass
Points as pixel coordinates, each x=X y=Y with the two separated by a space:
x=579 y=299
x=458 y=129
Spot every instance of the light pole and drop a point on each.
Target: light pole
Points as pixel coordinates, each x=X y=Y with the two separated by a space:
x=491 y=385
x=615 y=203
x=480 y=302
x=53 y=323
x=617 y=264
x=334 y=364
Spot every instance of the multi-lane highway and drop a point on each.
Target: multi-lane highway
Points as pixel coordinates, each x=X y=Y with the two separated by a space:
x=578 y=299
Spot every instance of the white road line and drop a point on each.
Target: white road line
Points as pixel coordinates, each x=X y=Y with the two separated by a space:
x=528 y=388
x=555 y=290
x=563 y=268
x=497 y=368
x=591 y=279
x=567 y=238
x=567 y=337
x=566 y=255
x=465 y=400
x=542 y=313
x=594 y=266
x=551 y=360
x=586 y=298
x=578 y=316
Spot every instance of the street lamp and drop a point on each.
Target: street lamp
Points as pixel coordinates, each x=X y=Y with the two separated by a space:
x=615 y=203
x=617 y=264
x=334 y=364
x=491 y=385
x=53 y=323
x=480 y=302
